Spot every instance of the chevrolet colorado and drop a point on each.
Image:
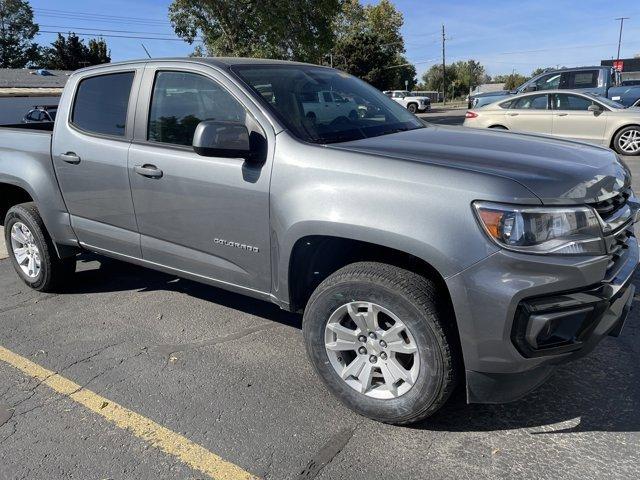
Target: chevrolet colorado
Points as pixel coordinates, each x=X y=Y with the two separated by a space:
x=423 y=257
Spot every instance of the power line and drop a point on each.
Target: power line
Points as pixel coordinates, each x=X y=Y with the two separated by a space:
x=122 y=36
x=50 y=11
x=73 y=29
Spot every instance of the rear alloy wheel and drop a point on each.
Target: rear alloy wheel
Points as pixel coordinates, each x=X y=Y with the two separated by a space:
x=31 y=250
x=627 y=141
x=382 y=343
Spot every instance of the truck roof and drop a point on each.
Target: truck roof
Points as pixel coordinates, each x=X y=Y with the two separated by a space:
x=221 y=62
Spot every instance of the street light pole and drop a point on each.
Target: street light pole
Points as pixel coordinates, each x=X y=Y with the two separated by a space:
x=621 y=19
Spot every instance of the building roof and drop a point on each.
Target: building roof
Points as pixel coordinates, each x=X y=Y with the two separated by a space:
x=26 y=78
x=488 y=88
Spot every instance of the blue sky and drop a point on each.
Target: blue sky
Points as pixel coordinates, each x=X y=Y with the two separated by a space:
x=504 y=35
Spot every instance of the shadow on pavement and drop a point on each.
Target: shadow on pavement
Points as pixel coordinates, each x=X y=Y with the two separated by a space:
x=101 y=274
x=600 y=392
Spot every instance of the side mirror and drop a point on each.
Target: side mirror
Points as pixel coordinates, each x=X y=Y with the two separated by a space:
x=595 y=108
x=222 y=139
x=530 y=88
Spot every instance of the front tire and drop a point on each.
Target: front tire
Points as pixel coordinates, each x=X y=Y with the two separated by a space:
x=379 y=340
x=627 y=141
x=412 y=107
x=31 y=250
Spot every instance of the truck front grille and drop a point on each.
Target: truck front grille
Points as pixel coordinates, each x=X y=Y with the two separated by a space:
x=608 y=207
x=618 y=246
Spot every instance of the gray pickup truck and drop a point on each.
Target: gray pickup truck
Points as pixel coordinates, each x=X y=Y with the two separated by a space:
x=422 y=256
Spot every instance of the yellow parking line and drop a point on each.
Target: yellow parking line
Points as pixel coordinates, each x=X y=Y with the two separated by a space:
x=158 y=436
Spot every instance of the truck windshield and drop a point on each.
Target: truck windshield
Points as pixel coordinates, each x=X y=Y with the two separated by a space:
x=323 y=105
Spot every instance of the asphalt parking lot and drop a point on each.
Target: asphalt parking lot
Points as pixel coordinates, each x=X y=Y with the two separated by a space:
x=176 y=368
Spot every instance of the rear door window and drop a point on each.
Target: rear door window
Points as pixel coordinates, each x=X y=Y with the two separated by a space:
x=583 y=79
x=101 y=104
x=531 y=102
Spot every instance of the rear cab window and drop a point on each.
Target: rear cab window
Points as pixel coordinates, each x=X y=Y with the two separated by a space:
x=101 y=104
x=584 y=79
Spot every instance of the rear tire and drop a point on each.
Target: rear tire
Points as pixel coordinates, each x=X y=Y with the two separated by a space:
x=388 y=294
x=627 y=140
x=31 y=250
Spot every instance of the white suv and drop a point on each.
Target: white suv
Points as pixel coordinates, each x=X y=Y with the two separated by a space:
x=412 y=103
x=326 y=106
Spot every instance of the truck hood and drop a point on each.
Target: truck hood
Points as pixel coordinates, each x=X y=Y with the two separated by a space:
x=556 y=171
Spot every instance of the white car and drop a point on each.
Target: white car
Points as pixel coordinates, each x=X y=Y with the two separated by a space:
x=575 y=115
x=326 y=106
x=412 y=103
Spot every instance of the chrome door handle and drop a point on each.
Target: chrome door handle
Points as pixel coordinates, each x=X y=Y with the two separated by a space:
x=70 y=157
x=149 y=171
x=514 y=114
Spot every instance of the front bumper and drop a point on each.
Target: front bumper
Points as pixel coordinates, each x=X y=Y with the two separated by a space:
x=521 y=315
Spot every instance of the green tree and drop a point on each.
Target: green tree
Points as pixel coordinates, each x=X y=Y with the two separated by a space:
x=17 y=31
x=404 y=73
x=514 y=80
x=432 y=78
x=98 y=52
x=378 y=26
x=70 y=53
x=468 y=75
x=364 y=55
x=287 y=29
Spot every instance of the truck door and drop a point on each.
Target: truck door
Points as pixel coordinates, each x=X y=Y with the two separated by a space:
x=206 y=216
x=90 y=149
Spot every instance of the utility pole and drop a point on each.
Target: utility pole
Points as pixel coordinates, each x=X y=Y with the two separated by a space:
x=621 y=19
x=444 y=72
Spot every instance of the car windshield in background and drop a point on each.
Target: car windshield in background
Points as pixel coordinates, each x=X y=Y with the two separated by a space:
x=322 y=105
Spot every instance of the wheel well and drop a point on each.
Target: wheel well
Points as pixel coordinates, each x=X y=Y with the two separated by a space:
x=11 y=195
x=499 y=127
x=412 y=103
x=314 y=258
x=613 y=137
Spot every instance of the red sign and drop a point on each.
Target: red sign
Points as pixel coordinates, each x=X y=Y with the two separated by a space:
x=618 y=65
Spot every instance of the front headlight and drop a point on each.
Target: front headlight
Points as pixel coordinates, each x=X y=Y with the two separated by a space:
x=542 y=230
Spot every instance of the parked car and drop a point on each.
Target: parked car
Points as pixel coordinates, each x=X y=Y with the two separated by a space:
x=41 y=113
x=603 y=81
x=422 y=256
x=326 y=106
x=412 y=103
x=578 y=116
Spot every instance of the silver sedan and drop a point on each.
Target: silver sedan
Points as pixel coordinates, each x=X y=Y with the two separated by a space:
x=575 y=115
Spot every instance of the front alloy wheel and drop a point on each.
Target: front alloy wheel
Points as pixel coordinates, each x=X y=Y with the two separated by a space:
x=372 y=350
x=382 y=341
